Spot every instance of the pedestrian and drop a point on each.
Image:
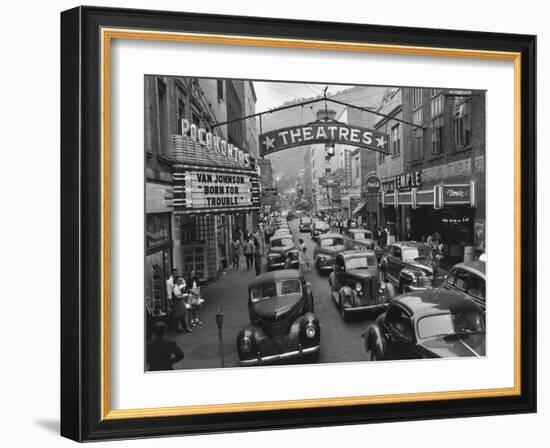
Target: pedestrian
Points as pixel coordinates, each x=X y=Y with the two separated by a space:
x=257 y=256
x=383 y=238
x=194 y=298
x=249 y=253
x=302 y=256
x=170 y=290
x=181 y=307
x=162 y=354
x=235 y=252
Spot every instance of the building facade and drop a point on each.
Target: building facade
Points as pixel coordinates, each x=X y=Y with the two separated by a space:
x=434 y=180
x=201 y=180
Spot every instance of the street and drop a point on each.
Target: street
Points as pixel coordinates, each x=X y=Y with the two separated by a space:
x=340 y=341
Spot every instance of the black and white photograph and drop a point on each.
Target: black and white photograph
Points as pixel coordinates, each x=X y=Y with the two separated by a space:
x=299 y=223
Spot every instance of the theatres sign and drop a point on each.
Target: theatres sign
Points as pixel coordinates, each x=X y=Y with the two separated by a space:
x=329 y=132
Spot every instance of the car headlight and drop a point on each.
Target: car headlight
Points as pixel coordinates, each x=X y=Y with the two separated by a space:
x=245 y=345
x=311 y=331
x=358 y=287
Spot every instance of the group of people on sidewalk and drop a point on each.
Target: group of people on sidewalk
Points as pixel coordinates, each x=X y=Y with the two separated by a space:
x=184 y=300
x=249 y=244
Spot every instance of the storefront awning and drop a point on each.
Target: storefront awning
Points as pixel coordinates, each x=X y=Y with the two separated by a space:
x=360 y=208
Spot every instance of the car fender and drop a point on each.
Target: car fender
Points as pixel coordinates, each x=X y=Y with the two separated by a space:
x=374 y=337
x=406 y=274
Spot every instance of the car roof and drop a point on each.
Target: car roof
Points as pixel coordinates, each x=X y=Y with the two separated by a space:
x=409 y=244
x=477 y=267
x=275 y=276
x=359 y=229
x=280 y=236
x=357 y=253
x=329 y=235
x=435 y=301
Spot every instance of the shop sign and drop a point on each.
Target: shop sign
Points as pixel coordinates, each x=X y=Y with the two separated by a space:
x=408 y=180
x=456 y=194
x=323 y=132
x=372 y=184
x=214 y=143
x=452 y=169
x=205 y=191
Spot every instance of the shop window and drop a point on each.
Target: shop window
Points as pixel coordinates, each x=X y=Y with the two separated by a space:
x=157 y=229
x=462 y=124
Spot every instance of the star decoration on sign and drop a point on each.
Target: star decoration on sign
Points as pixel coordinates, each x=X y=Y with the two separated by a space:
x=268 y=142
x=380 y=141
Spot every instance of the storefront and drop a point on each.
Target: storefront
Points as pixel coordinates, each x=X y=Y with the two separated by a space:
x=447 y=209
x=158 y=246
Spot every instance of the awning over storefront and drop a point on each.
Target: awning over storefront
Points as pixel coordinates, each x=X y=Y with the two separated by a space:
x=440 y=196
x=362 y=207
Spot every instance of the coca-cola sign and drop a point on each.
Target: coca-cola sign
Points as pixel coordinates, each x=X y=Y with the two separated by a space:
x=372 y=184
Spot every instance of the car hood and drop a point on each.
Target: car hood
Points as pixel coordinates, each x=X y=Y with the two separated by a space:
x=458 y=346
x=276 y=309
x=332 y=250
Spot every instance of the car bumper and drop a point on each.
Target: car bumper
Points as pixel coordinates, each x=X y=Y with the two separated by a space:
x=282 y=357
x=365 y=308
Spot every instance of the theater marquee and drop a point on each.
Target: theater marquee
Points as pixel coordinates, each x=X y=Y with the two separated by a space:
x=211 y=190
x=328 y=132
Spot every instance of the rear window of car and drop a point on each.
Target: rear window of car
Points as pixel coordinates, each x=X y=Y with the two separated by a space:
x=327 y=242
x=275 y=289
x=283 y=242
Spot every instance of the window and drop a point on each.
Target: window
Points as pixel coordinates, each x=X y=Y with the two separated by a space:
x=462 y=124
x=399 y=324
x=396 y=139
x=220 y=90
x=417 y=97
x=397 y=252
x=381 y=156
x=436 y=107
x=162 y=116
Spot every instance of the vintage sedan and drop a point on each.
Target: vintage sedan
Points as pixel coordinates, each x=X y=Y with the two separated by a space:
x=305 y=224
x=282 y=326
x=355 y=283
x=359 y=239
x=324 y=254
x=409 y=265
x=468 y=278
x=318 y=228
x=427 y=324
x=280 y=248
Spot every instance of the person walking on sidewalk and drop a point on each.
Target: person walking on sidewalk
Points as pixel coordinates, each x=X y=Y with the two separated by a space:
x=194 y=298
x=257 y=256
x=162 y=354
x=249 y=253
x=235 y=252
x=181 y=307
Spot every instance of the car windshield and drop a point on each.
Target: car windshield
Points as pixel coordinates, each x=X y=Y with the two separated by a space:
x=416 y=253
x=283 y=242
x=363 y=262
x=327 y=242
x=450 y=324
x=275 y=289
x=321 y=225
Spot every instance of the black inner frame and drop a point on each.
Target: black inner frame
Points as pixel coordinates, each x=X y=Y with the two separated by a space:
x=81 y=221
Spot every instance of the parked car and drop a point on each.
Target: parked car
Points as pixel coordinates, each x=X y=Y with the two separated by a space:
x=359 y=239
x=279 y=248
x=324 y=254
x=282 y=232
x=468 y=278
x=305 y=224
x=355 y=284
x=282 y=327
x=409 y=265
x=318 y=228
x=427 y=324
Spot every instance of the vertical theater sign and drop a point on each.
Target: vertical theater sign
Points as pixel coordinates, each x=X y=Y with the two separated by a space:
x=211 y=175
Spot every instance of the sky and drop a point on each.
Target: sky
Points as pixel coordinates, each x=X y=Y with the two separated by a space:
x=273 y=94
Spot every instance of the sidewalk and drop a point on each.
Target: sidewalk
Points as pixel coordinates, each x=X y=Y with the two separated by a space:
x=229 y=294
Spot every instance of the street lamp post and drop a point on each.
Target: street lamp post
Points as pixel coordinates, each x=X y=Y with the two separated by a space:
x=219 y=323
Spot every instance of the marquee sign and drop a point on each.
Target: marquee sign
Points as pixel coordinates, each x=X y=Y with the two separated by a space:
x=207 y=190
x=323 y=132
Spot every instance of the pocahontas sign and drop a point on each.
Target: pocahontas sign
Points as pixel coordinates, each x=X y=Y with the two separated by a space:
x=323 y=132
